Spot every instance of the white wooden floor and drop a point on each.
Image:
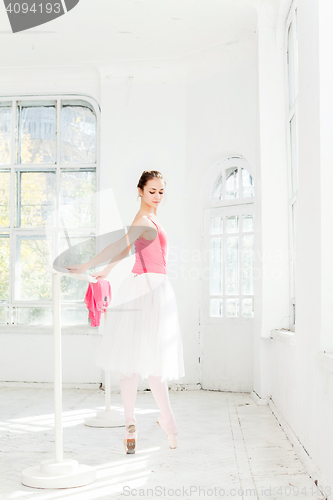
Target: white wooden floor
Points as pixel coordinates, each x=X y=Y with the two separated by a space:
x=226 y=444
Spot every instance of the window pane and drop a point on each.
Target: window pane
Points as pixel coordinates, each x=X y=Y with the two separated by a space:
x=247 y=184
x=247 y=308
x=78 y=316
x=4 y=267
x=77 y=198
x=44 y=316
x=294 y=244
x=32 y=282
x=217 y=191
x=232 y=269
x=248 y=223
x=5 y=134
x=293 y=154
x=247 y=264
x=83 y=250
x=216 y=308
x=216 y=270
x=216 y=225
x=78 y=134
x=36 y=134
x=232 y=224
x=294 y=227
x=35 y=198
x=232 y=183
x=232 y=307
x=4 y=315
x=291 y=66
x=34 y=316
x=4 y=197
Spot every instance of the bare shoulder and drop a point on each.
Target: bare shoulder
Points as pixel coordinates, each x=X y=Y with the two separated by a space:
x=143 y=220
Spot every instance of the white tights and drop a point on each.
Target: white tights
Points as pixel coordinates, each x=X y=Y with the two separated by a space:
x=129 y=387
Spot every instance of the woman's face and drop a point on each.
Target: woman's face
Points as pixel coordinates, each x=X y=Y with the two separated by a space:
x=153 y=192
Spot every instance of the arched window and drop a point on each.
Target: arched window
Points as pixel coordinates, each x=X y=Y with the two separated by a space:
x=229 y=242
x=238 y=184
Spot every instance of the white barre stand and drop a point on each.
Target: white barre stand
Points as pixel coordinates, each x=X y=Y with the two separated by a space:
x=108 y=417
x=59 y=473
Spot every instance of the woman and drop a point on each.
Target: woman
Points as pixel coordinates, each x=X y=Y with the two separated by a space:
x=142 y=335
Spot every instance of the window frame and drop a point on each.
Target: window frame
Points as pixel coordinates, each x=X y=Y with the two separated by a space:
x=292 y=113
x=14 y=232
x=224 y=207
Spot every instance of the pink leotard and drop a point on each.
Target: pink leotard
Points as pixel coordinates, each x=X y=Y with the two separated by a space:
x=150 y=255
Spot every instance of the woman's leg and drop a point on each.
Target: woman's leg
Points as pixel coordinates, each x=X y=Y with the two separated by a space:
x=129 y=388
x=161 y=395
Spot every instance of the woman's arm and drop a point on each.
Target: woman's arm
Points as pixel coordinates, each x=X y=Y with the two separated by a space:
x=117 y=259
x=106 y=271
x=114 y=250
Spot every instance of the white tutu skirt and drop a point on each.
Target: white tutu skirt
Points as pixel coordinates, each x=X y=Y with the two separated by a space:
x=141 y=330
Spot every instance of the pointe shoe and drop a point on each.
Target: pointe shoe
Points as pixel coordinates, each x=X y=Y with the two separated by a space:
x=131 y=436
x=172 y=438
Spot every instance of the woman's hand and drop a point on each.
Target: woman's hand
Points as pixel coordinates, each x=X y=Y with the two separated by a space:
x=76 y=269
x=102 y=275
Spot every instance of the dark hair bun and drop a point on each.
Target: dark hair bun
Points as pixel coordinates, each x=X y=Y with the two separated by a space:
x=147 y=175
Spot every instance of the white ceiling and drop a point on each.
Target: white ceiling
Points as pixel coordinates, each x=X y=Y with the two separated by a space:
x=103 y=32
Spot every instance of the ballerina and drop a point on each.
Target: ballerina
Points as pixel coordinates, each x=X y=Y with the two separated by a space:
x=142 y=334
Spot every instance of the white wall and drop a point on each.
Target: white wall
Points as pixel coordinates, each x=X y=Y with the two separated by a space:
x=175 y=119
x=143 y=125
x=301 y=374
x=222 y=119
x=144 y=128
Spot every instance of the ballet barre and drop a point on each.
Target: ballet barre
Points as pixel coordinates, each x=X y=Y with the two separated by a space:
x=59 y=472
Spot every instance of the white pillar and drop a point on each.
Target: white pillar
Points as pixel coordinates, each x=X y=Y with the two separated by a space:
x=271 y=212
